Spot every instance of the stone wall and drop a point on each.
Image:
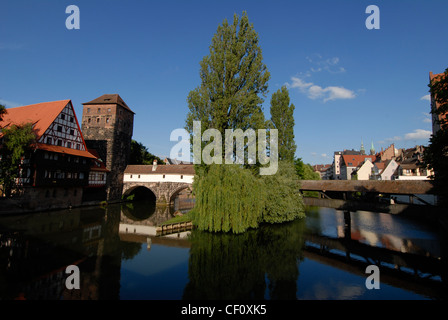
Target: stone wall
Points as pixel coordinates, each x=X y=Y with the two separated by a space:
x=164 y=191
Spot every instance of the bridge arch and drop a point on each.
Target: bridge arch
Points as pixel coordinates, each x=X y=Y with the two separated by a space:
x=141 y=192
x=178 y=190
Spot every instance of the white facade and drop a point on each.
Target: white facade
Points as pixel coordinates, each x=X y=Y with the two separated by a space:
x=389 y=171
x=158 y=178
x=365 y=170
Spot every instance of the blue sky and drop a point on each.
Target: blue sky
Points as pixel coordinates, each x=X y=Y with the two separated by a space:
x=347 y=82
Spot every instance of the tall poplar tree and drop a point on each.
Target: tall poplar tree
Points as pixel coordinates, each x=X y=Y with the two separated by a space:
x=234 y=80
x=282 y=119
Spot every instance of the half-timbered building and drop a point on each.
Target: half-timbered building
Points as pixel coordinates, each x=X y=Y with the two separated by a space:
x=55 y=174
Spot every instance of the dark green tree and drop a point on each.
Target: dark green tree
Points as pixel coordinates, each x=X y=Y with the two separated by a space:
x=436 y=154
x=305 y=171
x=141 y=155
x=17 y=142
x=282 y=119
x=231 y=197
x=2 y=112
x=233 y=81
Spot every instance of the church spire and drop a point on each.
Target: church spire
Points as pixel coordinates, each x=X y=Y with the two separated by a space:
x=372 y=150
x=363 y=151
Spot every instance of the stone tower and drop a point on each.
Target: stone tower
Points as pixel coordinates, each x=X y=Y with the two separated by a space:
x=107 y=126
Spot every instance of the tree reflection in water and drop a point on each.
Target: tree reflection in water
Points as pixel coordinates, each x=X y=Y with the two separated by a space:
x=227 y=266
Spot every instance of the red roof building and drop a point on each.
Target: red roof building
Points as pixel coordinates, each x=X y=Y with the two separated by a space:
x=58 y=168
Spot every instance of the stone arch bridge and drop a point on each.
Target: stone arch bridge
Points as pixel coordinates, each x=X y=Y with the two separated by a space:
x=164 y=181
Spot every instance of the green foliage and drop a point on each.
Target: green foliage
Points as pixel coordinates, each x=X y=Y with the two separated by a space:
x=282 y=119
x=283 y=201
x=436 y=157
x=436 y=154
x=228 y=198
x=2 y=112
x=233 y=81
x=305 y=171
x=17 y=141
x=141 y=155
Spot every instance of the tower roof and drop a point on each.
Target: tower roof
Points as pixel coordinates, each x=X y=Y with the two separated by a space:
x=108 y=99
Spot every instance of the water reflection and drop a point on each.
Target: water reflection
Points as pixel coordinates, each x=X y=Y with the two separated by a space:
x=258 y=264
x=120 y=256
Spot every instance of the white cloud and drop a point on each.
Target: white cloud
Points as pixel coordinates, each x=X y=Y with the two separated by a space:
x=418 y=134
x=317 y=92
x=320 y=64
x=426 y=98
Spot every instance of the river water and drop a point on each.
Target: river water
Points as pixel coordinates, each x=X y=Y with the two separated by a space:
x=119 y=256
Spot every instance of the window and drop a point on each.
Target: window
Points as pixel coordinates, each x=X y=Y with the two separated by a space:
x=59 y=129
x=69 y=144
x=60 y=142
x=131 y=176
x=107 y=120
x=99 y=110
x=81 y=175
x=62 y=116
x=98 y=120
x=88 y=120
x=181 y=176
x=88 y=110
x=72 y=132
x=77 y=146
x=71 y=119
x=139 y=176
x=49 y=140
x=163 y=176
x=108 y=109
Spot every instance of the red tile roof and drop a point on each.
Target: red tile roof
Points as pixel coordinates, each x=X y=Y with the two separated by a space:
x=356 y=160
x=41 y=115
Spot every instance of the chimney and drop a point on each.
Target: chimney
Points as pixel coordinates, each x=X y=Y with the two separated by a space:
x=154 y=165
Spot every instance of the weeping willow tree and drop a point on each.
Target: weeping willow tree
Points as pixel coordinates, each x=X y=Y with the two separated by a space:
x=228 y=198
